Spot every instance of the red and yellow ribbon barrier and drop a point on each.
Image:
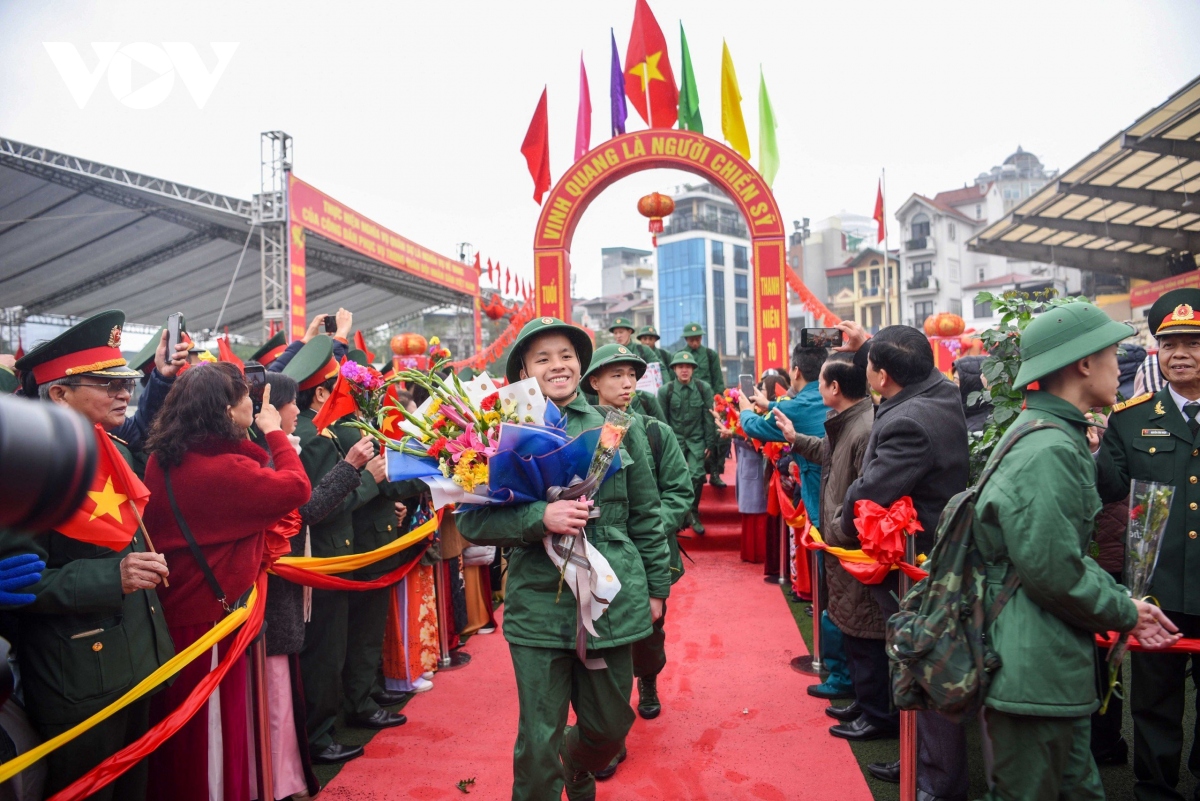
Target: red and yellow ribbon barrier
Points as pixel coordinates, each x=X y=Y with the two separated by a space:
x=315 y=571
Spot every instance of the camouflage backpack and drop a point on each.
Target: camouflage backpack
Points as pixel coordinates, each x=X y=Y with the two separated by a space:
x=937 y=643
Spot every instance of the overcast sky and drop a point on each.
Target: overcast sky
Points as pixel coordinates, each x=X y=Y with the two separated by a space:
x=413 y=113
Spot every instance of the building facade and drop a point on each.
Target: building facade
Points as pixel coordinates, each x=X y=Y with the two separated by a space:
x=625 y=270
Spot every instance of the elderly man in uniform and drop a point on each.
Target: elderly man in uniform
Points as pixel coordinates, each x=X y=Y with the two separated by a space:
x=708 y=369
x=96 y=628
x=1156 y=437
x=686 y=404
x=648 y=336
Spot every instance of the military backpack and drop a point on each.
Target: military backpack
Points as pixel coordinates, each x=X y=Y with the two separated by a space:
x=937 y=643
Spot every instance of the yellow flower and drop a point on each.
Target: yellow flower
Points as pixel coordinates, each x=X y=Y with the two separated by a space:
x=921 y=559
x=480 y=474
x=445 y=468
x=464 y=471
x=434 y=405
x=435 y=341
x=491 y=419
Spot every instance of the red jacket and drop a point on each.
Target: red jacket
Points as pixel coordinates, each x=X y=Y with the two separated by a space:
x=228 y=495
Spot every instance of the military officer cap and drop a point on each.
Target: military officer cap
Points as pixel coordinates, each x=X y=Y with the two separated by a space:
x=270 y=349
x=144 y=360
x=314 y=364
x=546 y=325
x=1176 y=312
x=615 y=354
x=683 y=357
x=388 y=368
x=1063 y=335
x=8 y=381
x=692 y=330
x=621 y=322
x=92 y=347
x=648 y=331
x=358 y=357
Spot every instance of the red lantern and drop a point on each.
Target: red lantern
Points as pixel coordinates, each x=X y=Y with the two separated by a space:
x=409 y=345
x=495 y=308
x=655 y=206
x=944 y=324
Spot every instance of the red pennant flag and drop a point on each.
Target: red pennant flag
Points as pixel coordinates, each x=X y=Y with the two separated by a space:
x=361 y=344
x=507 y=282
x=107 y=516
x=339 y=404
x=536 y=149
x=649 y=81
x=878 y=215
x=478 y=267
x=490 y=280
x=20 y=347
x=225 y=354
x=583 y=118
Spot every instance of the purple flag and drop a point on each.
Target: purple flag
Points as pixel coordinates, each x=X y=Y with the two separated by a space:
x=617 y=90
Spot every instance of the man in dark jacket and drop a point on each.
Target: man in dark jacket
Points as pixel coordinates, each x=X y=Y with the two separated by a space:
x=918 y=448
x=968 y=376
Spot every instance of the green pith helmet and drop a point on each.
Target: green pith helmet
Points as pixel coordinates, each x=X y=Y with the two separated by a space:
x=313 y=364
x=547 y=325
x=91 y=347
x=621 y=322
x=358 y=357
x=8 y=381
x=648 y=331
x=1176 y=312
x=270 y=349
x=1063 y=335
x=614 y=354
x=683 y=357
x=693 y=330
x=145 y=356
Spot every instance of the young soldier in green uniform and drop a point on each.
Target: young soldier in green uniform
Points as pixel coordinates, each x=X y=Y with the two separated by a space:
x=1035 y=517
x=540 y=629
x=622 y=331
x=613 y=374
x=648 y=336
x=686 y=403
x=96 y=628
x=646 y=403
x=708 y=370
x=1153 y=437
x=326 y=637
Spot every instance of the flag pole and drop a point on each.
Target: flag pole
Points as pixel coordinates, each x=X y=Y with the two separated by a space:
x=887 y=268
x=146 y=534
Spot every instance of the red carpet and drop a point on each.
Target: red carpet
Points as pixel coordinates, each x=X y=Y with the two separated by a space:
x=736 y=723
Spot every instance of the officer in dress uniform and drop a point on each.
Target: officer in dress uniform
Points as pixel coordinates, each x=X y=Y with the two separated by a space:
x=270 y=350
x=622 y=330
x=708 y=370
x=326 y=637
x=1156 y=437
x=687 y=403
x=648 y=336
x=96 y=628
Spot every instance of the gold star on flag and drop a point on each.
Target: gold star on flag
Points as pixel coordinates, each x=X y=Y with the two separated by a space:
x=108 y=502
x=648 y=70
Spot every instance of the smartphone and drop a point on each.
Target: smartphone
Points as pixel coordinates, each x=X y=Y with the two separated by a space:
x=820 y=337
x=330 y=324
x=176 y=327
x=256 y=379
x=772 y=389
x=746 y=385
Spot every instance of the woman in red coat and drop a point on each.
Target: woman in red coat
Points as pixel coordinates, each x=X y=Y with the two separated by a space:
x=227 y=491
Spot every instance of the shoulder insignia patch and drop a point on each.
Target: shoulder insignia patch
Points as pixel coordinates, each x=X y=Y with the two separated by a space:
x=1123 y=405
x=118 y=439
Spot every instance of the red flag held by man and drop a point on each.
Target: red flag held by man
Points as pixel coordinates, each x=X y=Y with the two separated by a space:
x=878 y=215
x=339 y=404
x=649 y=81
x=536 y=149
x=361 y=344
x=105 y=517
x=391 y=419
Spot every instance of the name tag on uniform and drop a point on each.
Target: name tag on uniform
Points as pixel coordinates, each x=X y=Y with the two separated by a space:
x=1155 y=432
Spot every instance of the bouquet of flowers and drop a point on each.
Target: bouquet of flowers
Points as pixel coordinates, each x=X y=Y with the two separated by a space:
x=1149 y=510
x=360 y=390
x=726 y=406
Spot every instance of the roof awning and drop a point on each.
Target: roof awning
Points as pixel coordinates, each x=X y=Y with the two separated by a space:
x=1130 y=208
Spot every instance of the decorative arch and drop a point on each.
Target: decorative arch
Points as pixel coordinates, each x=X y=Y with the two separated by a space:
x=681 y=150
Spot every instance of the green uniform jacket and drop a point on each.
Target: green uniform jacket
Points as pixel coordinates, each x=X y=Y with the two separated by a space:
x=708 y=369
x=674 y=485
x=646 y=353
x=664 y=358
x=628 y=533
x=1037 y=515
x=68 y=677
x=686 y=410
x=333 y=536
x=646 y=404
x=1149 y=439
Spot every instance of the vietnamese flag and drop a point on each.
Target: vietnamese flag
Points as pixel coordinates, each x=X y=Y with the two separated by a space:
x=536 y=149
x=112 y=511
x=339 y=404
x=361 y=344
x=649 y=81
x=391 y=419
x=878 y=215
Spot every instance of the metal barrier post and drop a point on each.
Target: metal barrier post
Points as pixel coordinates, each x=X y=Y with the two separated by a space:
x=908 y=718
x=785 y=554
x=447 y=659
x=810 y=665
x=262 y=718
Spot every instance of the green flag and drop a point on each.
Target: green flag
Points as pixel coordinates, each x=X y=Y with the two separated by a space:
x=768 y=150
x=689 y=98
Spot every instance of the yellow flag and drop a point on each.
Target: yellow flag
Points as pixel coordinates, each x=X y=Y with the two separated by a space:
x=732 y=124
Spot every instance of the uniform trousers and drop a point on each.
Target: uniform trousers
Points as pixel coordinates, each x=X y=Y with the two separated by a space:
x=364 y=650
x=650 y=654
x=869 y=673
x=66 y=764
x=548 y=680
x=1156 y=702
x=321 y=663
x=1042 y=759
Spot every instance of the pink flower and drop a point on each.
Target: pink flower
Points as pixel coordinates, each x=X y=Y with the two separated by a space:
x=469 y=440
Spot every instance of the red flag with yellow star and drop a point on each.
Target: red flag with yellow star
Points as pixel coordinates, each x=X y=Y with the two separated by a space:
x=107 y=517
x=391 y=420
x=649 y=81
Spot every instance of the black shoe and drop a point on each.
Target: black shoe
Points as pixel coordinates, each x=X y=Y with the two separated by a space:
x=819 y=691
x=698 y=527
x=885 y=771
x=1117 y=755
x=924 y=796
x=611 y=770
x=769 y=579
x=648 y=706
x=844 y=713
x=382 y=719
x=388 y=698
x=808 y=612
x=859 y=731
x=581 y=786
x=717 y=481
x=336 y=753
